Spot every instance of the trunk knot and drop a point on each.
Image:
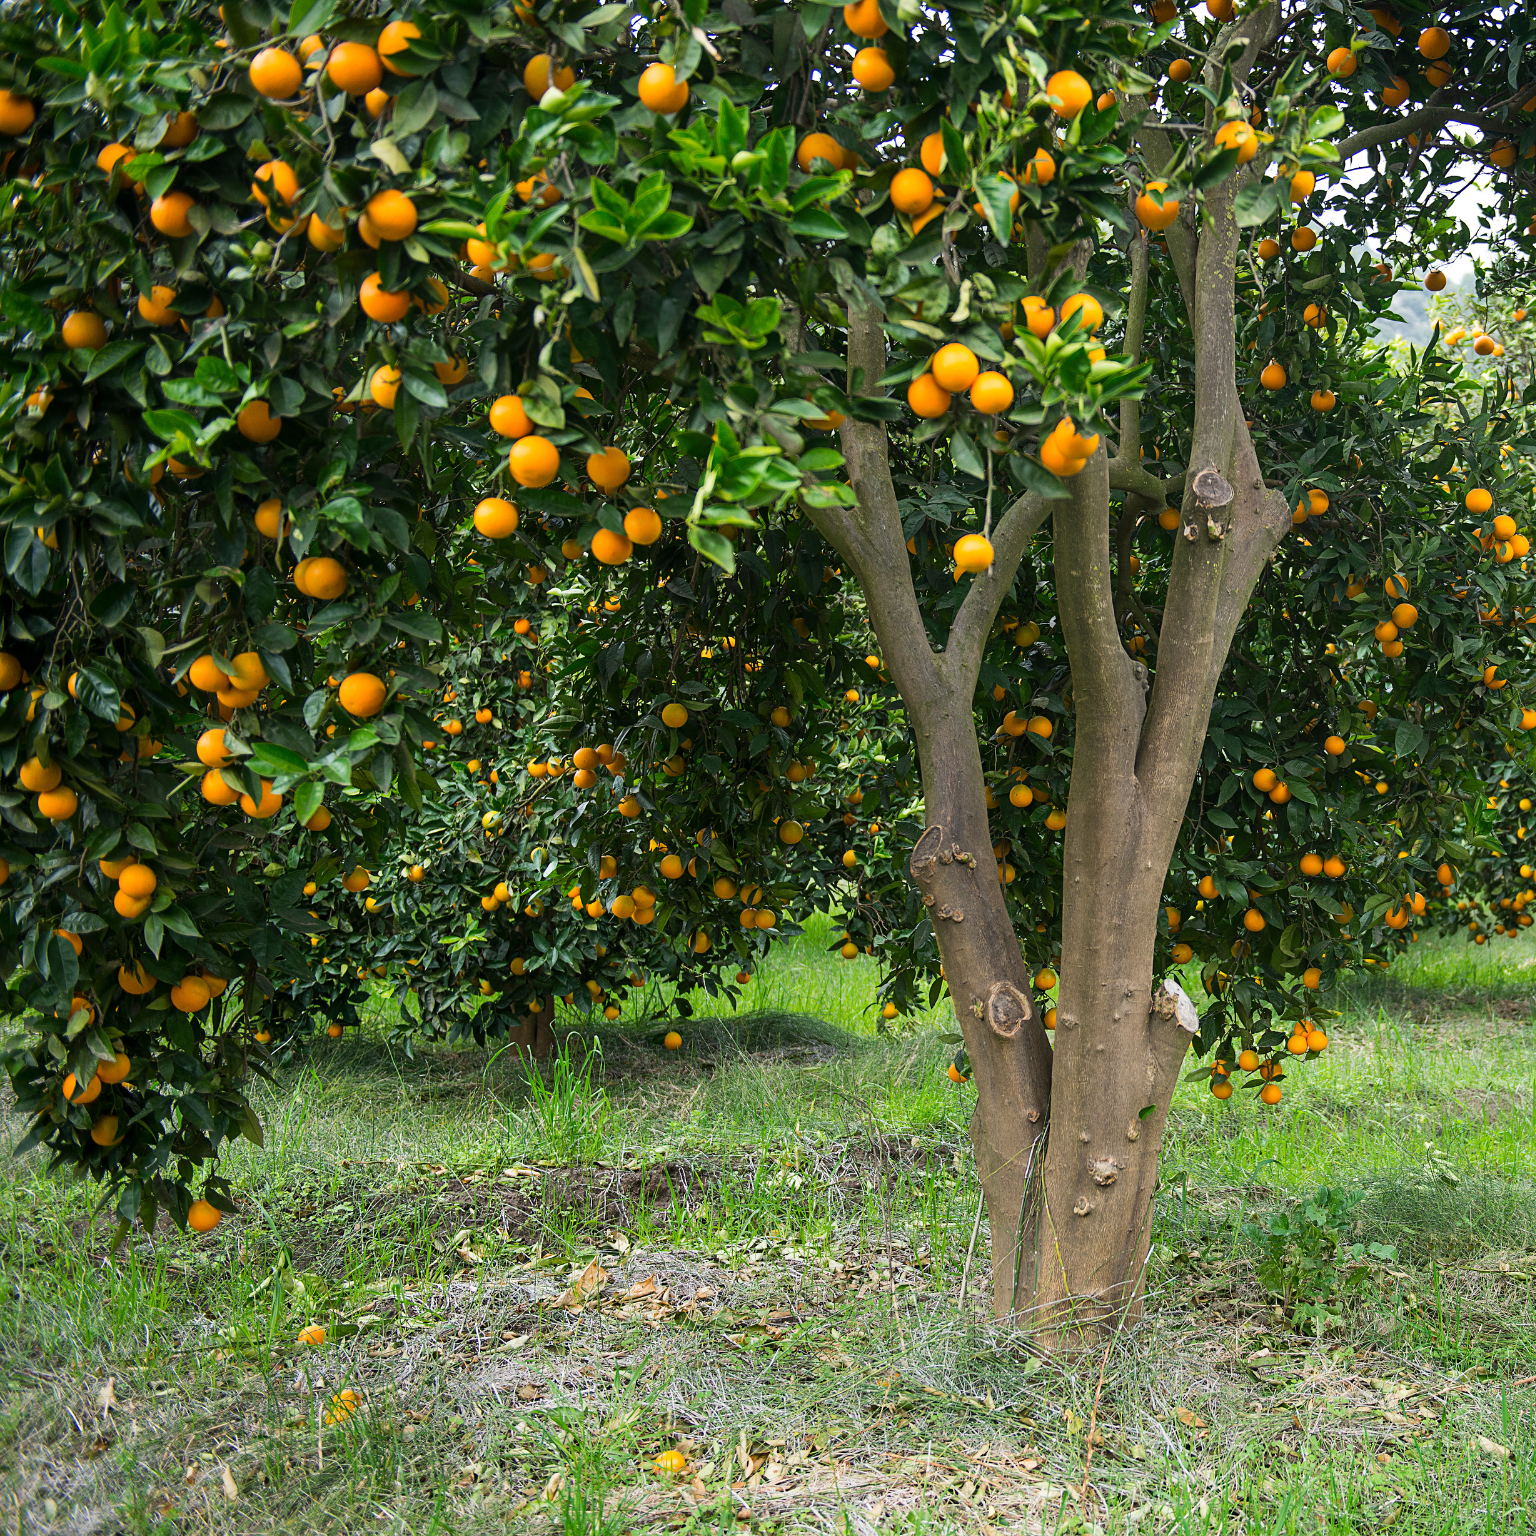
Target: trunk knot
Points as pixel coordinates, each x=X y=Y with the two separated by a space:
x=1211 y=489
x=1133 y=1132
x=1006 y=1009
x=1104 y=1170
x=1083 y=1206
x=954 y=914
x=1172 y=1004
x=925 y=852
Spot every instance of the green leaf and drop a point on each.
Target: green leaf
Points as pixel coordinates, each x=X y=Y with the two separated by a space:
x=714 y=546
x=817 y=224
x=415 y=107
x=169 y=425
x=1256 y=203
x=307 y=799
x=110 y=356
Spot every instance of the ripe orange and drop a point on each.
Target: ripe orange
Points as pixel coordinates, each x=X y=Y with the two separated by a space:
x=537 y=77
x=496 y=518
x=362 y=694
x=1323 y=400
x=354 y=68
x=533 y=461
x=392 y=214
x=323 y=236
x=1180 y=70
x=931 y=153
x=396 y=38
x=83 y=329
x=911 y=191
x=1434 y=42
x=1239 y=136
x=202 y=1217
x=380 y=303
x=168 y=213
x=190 y=994
x=62 y=803
x=819 y=146
x=1303 y=237
x=383 y=386
x=256 y=422
x=1090 y=310
x=275 y=176
x=927 y=397
x=1273 y=377
x=1434 y=280
x=608 y=469
x=872 y=70
x=275 y=73
x=156 y=306
x=17 y=114
x=1071 y=91
x=863 y=19
x=1396 y=93
x=509 y=418
x=1342 y=63
x=973 y=553
x=611 y=548
x=1155 y=211
x=674 y=716
x=991 y=394
x=264 y=809
x=1479 y=501
x=954 y=367
x=661 y=91
x=642 y=525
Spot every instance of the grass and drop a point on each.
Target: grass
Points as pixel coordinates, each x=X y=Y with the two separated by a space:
x=781 y=1213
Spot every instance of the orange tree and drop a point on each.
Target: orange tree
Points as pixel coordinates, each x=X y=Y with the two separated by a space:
x=856 y=405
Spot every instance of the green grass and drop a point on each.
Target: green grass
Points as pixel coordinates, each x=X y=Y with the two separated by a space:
x=812 y=1176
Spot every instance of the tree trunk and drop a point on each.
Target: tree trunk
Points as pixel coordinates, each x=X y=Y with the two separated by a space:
x=537 y=1036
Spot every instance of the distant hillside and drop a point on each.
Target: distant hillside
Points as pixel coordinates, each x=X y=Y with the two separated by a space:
x=1413 y=309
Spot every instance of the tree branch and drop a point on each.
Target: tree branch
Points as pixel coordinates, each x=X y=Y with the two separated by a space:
x=1108 y=695
x=1415 y=122
x=961 y=662
x=1135 y=329
x=1132 y=475
x=869 y=535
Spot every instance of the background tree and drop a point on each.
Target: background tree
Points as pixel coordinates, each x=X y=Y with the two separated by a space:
x=282 y=295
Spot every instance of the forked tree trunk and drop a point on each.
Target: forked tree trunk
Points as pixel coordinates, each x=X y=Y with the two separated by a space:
x=536 y=1037
x=1067 y=1138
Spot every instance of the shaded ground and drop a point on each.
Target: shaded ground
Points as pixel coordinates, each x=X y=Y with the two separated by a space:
x=752 y=1252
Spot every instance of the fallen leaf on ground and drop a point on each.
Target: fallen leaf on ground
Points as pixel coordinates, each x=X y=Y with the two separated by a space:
x=1493 y=1448
x=227 y=1478
x=106 y=1398
x=586 y=1285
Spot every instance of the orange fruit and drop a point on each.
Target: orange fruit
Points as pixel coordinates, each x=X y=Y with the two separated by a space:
x=496 y=518
x=611 y=548
x=392 y=214
x=608 y=469
x=1342 y=63
x=354 y=68
x=1273 y=377
x=383 y=386
x=1239 y=136
x=1434 y=42
x=1071 y=91
x=1303 y=237
x=1155 y=214
x=201 y=1216
x=264 y=809
x=323 y=236
x=533 y=461
x=642 y=525
x=190 y=993
x=17 y=114
x=661 y=91
x=1479 y=501
x=59 y=804
x=217 y=790
x=927 y=397
x=872 y=70
x=954 y=367
x=819 y=146
x=863 y=19
x=138 y=881
x=275 y=176
x=1091 y=311
x=380 y=303
x=1040 y=171
x=537 y=76
x=168 y=213
x=83 y=329
x=275 y=73
x=509 y=418
x=991 y=394
x=156 y=306
x=361 y=694
x=973 y=553
x=452 y=372
x=396 y=37
x=911 y=191
x=256 y=422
